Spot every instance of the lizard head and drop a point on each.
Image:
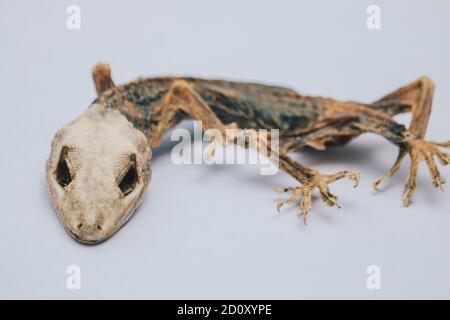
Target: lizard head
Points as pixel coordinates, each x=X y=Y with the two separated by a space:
x=97 y=172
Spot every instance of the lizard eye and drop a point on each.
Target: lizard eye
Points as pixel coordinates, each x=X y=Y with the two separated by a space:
x=130 y=178
x=62 y=172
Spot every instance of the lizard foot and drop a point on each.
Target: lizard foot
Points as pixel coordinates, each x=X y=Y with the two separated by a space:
x=223 y=138
x=419 y=150
x=320 y=182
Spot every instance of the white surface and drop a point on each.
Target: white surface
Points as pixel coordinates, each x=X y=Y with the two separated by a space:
x=213 y=232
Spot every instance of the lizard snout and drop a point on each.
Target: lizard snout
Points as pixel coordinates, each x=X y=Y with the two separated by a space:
x=88 y=232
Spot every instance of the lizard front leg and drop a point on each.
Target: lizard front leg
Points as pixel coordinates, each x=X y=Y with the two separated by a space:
x=311 y=179
x=182 y=97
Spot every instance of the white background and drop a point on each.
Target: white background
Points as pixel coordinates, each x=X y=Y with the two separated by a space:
x=212 y=231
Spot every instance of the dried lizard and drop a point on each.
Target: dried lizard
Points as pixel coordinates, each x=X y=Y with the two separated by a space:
x=99 y=165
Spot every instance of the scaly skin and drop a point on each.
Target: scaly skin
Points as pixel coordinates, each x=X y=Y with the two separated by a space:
x=99 y=165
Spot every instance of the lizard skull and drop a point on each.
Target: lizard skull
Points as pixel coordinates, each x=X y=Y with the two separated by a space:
x=98 y=170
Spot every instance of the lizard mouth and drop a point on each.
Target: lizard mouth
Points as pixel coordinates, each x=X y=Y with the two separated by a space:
x=84 y=240
x=94 y=241
x=78 y=238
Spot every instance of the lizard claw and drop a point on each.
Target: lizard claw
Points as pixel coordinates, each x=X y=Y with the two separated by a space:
x=419 y=150
x=354 y=176
x=321 y=182
x=425 y=150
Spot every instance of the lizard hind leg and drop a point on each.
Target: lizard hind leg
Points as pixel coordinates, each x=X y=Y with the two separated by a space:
x=416 y=97
x=418 y=150
x=427 y=151
x=392 y=170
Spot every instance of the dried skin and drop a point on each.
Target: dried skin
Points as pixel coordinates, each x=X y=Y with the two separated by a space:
x=153 y=106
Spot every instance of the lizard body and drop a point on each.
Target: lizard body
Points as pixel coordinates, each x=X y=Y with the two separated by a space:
x=250 y=106
x=99 y=166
